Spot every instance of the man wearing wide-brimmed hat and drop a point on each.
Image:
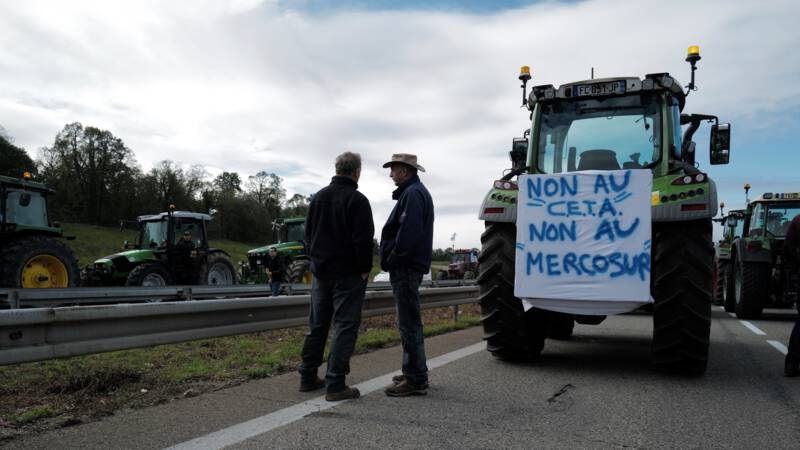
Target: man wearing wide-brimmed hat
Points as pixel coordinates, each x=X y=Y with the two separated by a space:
x=406 y=247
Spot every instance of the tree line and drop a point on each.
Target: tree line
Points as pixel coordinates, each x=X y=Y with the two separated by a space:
x=98 y=181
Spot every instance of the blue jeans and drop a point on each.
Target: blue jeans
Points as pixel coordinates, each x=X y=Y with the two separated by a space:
x=275 y=287
x=405 y=286
x=339 y=302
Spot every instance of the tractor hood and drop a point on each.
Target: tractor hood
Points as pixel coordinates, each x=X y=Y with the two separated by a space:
x=283 y=248
x=131 y=256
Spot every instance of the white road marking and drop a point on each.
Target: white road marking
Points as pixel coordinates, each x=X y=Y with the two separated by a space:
x=732 y=315
x=753 y=328
x=778 y=346
x=260 y=425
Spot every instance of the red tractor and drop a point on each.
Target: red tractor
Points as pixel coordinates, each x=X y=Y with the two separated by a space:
x=463 y=265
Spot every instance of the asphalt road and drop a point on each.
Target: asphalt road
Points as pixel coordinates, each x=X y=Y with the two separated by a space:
x=594 y=391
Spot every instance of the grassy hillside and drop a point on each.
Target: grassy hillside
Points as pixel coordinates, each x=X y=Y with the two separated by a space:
x=92 y=242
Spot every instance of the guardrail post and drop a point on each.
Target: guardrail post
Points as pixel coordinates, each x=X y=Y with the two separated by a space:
x=13 y=299
x=455 y=313
x=187 y=292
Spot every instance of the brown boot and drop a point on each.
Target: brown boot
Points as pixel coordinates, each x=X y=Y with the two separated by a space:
x=397 y=379
x=312 y=385
x=405 y=389
x=346 y=394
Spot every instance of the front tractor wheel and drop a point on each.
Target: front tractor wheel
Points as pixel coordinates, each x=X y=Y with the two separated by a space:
x=299 y=272
x=682 y=266
x=150 y=274
x=750 y=282
x=38 y=262
x=509 y=332
x=218 y=270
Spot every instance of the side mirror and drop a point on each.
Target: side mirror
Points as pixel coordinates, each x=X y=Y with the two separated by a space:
x=24 y=199
x=519 y=152
x=720 y=148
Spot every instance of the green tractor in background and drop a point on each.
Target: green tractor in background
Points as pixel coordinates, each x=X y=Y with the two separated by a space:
x=760 y=274
x=612 y=124
x=732 y=229
x=159 y=258
x=32 y=254
x=291 y=247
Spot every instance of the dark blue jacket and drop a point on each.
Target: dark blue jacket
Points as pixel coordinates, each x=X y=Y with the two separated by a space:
x=339 y=231
x=407 y=237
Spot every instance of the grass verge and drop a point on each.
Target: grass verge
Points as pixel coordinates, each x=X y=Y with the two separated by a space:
x=51 y=394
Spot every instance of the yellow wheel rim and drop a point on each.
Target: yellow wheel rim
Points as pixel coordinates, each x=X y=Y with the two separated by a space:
x=45 y=271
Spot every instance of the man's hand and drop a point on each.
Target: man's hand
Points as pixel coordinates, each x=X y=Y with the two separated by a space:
x=364 y=276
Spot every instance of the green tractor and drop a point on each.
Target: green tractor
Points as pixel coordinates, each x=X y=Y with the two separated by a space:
x=32 y=254
x=160 y=258
x=612 y=124
x=760 y=275
x=291 y=247
x=732 y=228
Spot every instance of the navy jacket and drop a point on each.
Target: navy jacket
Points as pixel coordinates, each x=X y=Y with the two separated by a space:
x=407 y=237
x=339 y=231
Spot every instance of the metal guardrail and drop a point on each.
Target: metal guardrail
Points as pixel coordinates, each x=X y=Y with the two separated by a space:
x=16 y=298
x=39 y=334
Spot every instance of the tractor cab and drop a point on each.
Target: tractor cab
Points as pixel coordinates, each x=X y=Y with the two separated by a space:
x=23 y=205
x=290 y=230
x=167 y=230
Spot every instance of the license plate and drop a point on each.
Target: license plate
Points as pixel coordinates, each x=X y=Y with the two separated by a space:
x=610 y=87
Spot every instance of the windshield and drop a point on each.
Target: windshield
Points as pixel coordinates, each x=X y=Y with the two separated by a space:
x=461 y=257
x=293 y=232
x=153 y=234
x=599 y=134
x=779 y=216
x=25 y=208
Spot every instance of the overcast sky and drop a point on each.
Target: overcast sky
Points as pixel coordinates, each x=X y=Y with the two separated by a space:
x=285 y=86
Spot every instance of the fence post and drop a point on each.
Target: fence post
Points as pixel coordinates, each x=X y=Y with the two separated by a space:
x=13 y=299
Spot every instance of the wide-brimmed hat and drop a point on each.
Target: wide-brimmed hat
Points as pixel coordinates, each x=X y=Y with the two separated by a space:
x=405 y=158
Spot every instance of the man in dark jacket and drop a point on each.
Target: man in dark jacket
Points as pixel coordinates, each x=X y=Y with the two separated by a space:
x=791 y=250
x=275 y=271
x=339 y=233
x=406 y=247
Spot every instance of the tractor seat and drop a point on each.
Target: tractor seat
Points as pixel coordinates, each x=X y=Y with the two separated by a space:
x=600 y=159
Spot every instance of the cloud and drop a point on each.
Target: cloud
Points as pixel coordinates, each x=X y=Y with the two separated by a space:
x=250 y=85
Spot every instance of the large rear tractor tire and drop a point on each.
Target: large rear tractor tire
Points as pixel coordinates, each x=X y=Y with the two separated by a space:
x=298 y=272
x=682 y=266
x=751 y=281
x=218 y=270
x=509 y=332
x=38 y=262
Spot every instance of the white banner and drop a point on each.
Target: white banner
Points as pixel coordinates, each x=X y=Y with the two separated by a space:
x=583 y=241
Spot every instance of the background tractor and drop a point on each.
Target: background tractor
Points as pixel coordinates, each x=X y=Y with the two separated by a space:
x=732 y=229
x=291 y=247
x=158 y=258
x=760 y=274
x=32 y=251
x=463 y=265
x=612 y=124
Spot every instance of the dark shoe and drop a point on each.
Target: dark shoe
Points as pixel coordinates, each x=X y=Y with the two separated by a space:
x=397 y=379
x=404 y=389
x=346 y=394
x=791 y=369
x=313 y=385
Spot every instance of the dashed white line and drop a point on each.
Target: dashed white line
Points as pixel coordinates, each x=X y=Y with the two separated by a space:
x=260 y=425
x=753 y=328
x=778 y=346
